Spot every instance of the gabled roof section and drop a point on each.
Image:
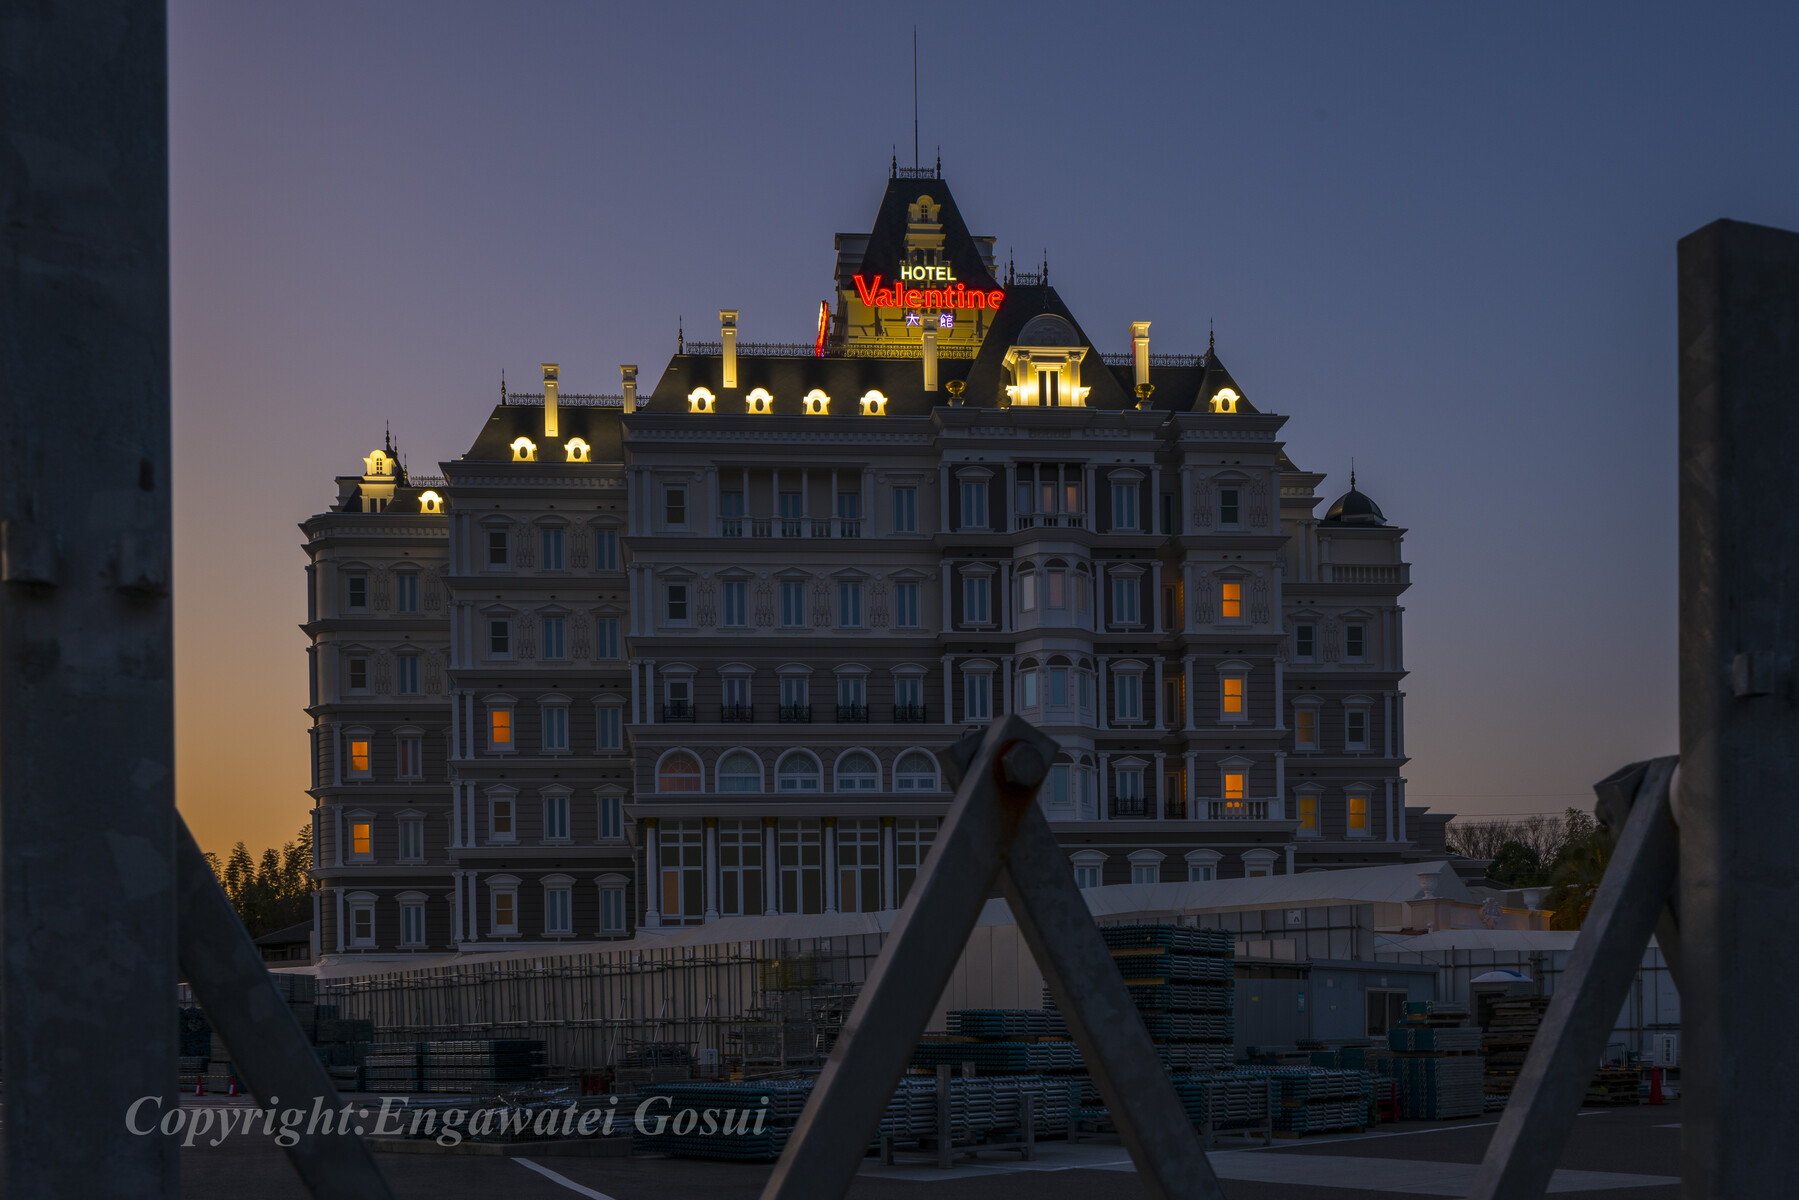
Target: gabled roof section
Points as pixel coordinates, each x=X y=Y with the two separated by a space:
x=887 y=241
x=986 y=381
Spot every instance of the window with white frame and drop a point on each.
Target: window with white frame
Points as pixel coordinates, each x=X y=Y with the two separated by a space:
x=1128 y=696
x=683 y=872
x=555 y=728
x=1055 y=586
x=360 y=908
x=736 y=597
x=1146 y=866
x=412 y=918
x=1230 y=602
x=1128 y=793
x=359 y=833
x=852 y=697
x=740 y=868
x=357 y=592
x=407 y=668
x=356 y=674
x=912 y=838
x=501 y=823
x=915 y=771
x=740 y=771
x=1233 y=695
x=412 y=839
x=1089 y=868
x=849 y=603
x=799 y=865
x=977 y=696
x=605 y=549
x=905 y=605
x=502 y=914
x=905 y=510
x=406 y=592
x=1083 y=592
x=1027 y=591
x=859 y=864
x=1234 y=787
x=1305 y=806
x=606 y=637
x=1305 y=725
x=1358 y=824
x=677 y=697
x=1305 y=642
x=1124 y=507
x=1355 y=642
x=558 y=910
x=411 y=756
x=674 y=507
x=679 y=771
x=793 y=603
x=1202 y=866
x=500 y=726
x=1230 y=507
x=1058 y=793
x=675 y=602
x=611 y=720
x=555 y=637
x=552 y=544
x=858 y=771
x=1355 y=726
x=499 y=549
x=797 y=772
x=499 y=637
x=908 y=698
x=612 y=817
x=555 y=817
x=612 y=907
x=1258 y=864
x=1126 y=600
x=974 y=501
x=1027 y=685
x=977 y=597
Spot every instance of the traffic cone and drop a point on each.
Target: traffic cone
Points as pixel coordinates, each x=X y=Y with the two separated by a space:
x=1655 y=1087
x=232 y=1091
x=199 y=1085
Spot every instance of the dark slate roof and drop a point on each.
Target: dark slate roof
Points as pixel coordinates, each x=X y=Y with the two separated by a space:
x=986 y=382
x=1353 y=508
x=1186 y=389
x=598 y=427
x=887 y=241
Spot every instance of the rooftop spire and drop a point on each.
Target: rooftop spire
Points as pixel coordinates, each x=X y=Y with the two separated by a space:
x=1211 y=340
x=680 y=336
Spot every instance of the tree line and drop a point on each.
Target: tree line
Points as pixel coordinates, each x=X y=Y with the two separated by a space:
x=1566 y=854
x=272 y=892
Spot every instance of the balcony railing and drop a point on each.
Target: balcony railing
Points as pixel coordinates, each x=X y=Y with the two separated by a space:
x=1358 y=573
x=1049 y=521
x=731 y=713
x=730 y=527
x=1131 y=808
x=796 y=712
x=1236 y=810
x=904 y=714
x=678 y=710
x=853 y=712
x=1174 y=810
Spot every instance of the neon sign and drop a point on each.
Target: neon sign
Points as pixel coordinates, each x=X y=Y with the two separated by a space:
x=824 y=327
x=897 y=296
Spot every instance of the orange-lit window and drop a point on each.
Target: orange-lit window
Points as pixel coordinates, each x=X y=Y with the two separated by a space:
x=359 y=755
x=362 y=840
x=679 y=773
x=1235 y=788
x=1305 y=729
x=1358 y=815
x=1232 y=607
x=1308 y=813
x=499 y=728
x=1233 y=696
x=505 y=912
x=671 y=892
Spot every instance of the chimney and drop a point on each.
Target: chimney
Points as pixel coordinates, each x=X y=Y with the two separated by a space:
x=1140 y=351
x=727 y=336
x=629 y=375
x=930 y=360
x=550 y=372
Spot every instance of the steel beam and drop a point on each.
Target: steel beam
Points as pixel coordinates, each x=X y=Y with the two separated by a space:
x=270 y=1052
x=1632 y=896
x=1738 y=804
x=87 y=804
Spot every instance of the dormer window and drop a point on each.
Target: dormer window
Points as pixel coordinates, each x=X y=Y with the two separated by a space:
x=578 y=450
x=524 y=450
x=817 y=403
x=430 y=502
x=760 y=401
x=1225 y=401
x=700 y=400
x=874 y=405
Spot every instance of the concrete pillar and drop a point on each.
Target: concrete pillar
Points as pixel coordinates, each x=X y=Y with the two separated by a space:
x=771 y=870
x=711 y=867
x=889 y=850
x=652 y=869
x=828 y=834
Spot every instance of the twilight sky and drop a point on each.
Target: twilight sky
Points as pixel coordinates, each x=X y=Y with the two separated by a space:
x=1440 y=237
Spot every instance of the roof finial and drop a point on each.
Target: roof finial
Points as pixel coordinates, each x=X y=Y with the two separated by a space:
x=1046 y=266
x=940 y=162
x=1352 y=472
x=893 y=167
x=502 y=385
x=680 y=335
x=388 y=438
x=1211 y=340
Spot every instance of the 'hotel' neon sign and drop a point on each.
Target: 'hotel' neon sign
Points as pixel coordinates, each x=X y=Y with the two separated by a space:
x=947 y=294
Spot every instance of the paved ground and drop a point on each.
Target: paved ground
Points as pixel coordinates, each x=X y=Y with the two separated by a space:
x=1613 y=1154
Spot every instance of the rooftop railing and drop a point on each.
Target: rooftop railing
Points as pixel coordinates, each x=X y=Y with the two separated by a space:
x=573 y=399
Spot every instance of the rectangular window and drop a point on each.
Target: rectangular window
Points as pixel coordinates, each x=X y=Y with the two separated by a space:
x=500 y=815
x=412 y=760
x=1305 y=729
x=552 y=549
x=905 y=605
x=362 y=925
x=1230 y=604
x=1027 y=689
x=1083 y=592
x=908 y=699
x=905 y=510
x=1086 y=877
x=1058 y=686
x=612 y=910
x=912 y=837
x=737 y=698
x=1058 y=588
x=612 y=817
x=730 y=514
x=359 y=592
x=976 y=606
x=359 y=756
x=606 y=637
x=1143 y=874
x=1355 y=734
x=1124 y=507
x=612 y=729
x=406 y=587
x=499 y=728
x=1308 y=812
x=359 y=674
x=793 y=603
x=1358 y=816
x=1083 y=683
x=1124 y=600
x=674 y=508
x=852 y=692
x=849 y=604
x=499 y=638
x=1355 y=642
x=412 y=924
x=1027 y=591
x=412 y=840
x=793 y=511
x=505 y=912
x=499 y=548
x=678 y=697
x=1305 y=642
x=408 y=665
x=1057 y=795
x=799 y=842
x=1200 y=872
x=1130 y=697
x=362 y=839
x=677 y=604
x=555 y=818
x=795 y=691
x=1049 y=388
x=740 y=869
x=1229 y=509
x=859 y=864
x=605 y=547
x=1231 y=697
x=555 y=637
x=736 y=603
x=555 y=728
x=556 y=915
x=977 y=697
x=974 y=504
x=1236 y=789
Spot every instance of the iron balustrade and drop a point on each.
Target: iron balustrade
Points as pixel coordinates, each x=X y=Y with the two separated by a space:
x=796 y=712
x=1155 y=360
x=571 y=399
x=737 y=713
x=678 y=710
x=909 y=714
x=1174 y=810
x=1125 y=808
x=853 y=712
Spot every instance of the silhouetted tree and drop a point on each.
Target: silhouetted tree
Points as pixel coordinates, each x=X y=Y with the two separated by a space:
x=273 y=893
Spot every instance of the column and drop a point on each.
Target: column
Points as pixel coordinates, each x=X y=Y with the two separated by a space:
x=1386 y=702
x=456 y=908
x=1392 y=829
x=1399 y=724
x=831 y=506
x=1006 y=681
x=828 y=832
x=337 y=840
x=1161 y=783
x=1280 y=786
x=889 y=850
x=1005 y=598
x=1399 y=799
x=1162 y=715
x=456 y=815
x=1105 y=786
x=337 y=755
x=1187 y=666
x=771 y=870
x=949 y=707
x=868 y=501
x=1011 y=502
x=948 y=571
x=636 y=696
x=1155 y=597
x=1280 y=692
x=943 y=523
x=473 y=931
x=1290 y=849
x=805 y=503
x=711 y=836
x=652 y=867
x=712 y=492
x=1185 y=507
x=649 y=691
x=1192 y=797
x=1099 y=693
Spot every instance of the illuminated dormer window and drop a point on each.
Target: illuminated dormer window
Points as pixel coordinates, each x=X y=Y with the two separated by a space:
x=700 y=400
x=817 y=403
x=1045 y=365
x=760 y=401
x=524 y=450
x=431 y=502
x=379 y=463
x=874 y=405
x=1225 y=401
x=578 y=450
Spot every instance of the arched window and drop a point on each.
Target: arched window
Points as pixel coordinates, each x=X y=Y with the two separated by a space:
x=797 y=772
x=739 y=771
x=916 y=771
x=679 y=772
x=858 y=771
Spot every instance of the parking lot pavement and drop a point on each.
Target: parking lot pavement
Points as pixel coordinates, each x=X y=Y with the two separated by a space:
x=1613 y=1154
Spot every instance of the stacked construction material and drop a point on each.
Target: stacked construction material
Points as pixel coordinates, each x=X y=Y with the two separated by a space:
x=479 y=1065
x=1613 y=1085
x=765 y=1110
x=1223 y=1101
x=394 y=1067
x=1182 y=982
x=1509 y=1036
x=1004 y=1023
x=1318 y=1099
x=1435 y=1062
x=999 y=1056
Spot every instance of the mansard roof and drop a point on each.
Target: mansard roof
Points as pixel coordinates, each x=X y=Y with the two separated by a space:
x=598 y=427
x=886 y=247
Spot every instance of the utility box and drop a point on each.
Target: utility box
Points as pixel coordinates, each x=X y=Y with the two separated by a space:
x=1664 y=1049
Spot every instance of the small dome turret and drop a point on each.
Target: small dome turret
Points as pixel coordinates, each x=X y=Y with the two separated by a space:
x=1353 y=508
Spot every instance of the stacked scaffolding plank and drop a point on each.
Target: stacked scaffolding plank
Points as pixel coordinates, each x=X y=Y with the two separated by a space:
x=1182 y=982
x=1435 y=1062
x=1509 y=1036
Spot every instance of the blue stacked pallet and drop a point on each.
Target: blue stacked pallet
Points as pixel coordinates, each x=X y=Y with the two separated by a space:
x=765 y=1111
x=393 y=1067
x=1438 y=1088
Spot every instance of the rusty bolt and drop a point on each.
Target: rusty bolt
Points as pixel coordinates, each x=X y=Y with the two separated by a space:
x=1022 y=766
